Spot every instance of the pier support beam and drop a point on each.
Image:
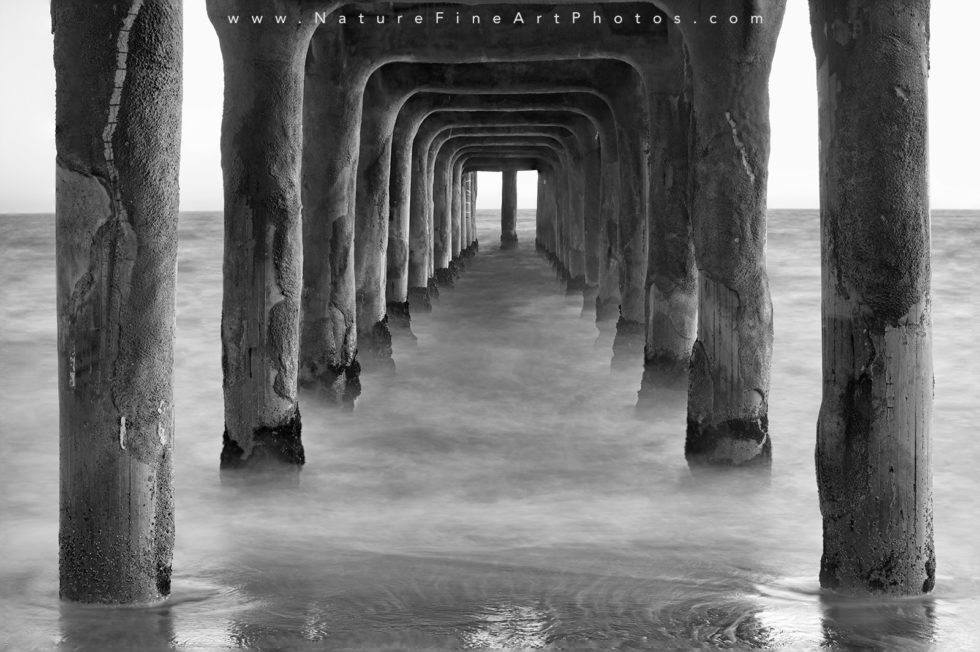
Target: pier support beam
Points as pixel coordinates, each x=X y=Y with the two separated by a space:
x=474 y=187
x=508 y=209
x=672 y=280
x=261 y=151
x=371 y=221
x=421 y=288
x=873 y=455
x=591 y=221
x=442 y=229
x=728 y=396
x=398 y=297
x=467 y=235
x=396 y=276
x=331 y=126
x=457 y=213
x=632 y=227
x=118 y=75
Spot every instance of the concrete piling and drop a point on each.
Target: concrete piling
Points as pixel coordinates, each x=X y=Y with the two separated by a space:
x=873 y=453
x=672 y=287
x=456 y=209
x=261 y=153
x=397 y=295
x=508 y=210
x=371 y=220
x=331 y=130
x=118 y=72
x=474 y=188
x=728 y=398
x=442 y=248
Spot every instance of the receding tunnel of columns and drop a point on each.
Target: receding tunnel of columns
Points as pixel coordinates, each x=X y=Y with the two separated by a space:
x=554 y=135
x=349 y=159
x=526 y=78
x=426 y=103
x=353 y=57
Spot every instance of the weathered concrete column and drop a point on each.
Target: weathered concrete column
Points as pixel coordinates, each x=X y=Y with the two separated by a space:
x=633 y=226
x=442 y=247
x=591 y=222
x=456 y=210
x=467 y=214
x=539 y=226
x=261 y=150
x=672 y=285
x=331 y=134
x=474 y=187
x=508 y=209
x=411 y=166
x=728 y=397
x=424 y=260
x=464 y=193
x=118 y=73
x=873 y=455
x=550 y=189
x=573 y=249
x=558 y=222
x=399 y=220
x=550 y=212
x=614 y=203
x=371 y=225
x=468 y=233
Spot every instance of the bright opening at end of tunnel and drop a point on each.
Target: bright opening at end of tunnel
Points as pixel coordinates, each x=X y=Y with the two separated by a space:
x=489 y=184
x=513 y=194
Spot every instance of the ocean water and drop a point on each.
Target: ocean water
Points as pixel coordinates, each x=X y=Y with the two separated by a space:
x=500 y=491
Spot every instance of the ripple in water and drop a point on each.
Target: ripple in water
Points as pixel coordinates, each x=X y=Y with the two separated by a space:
x=499 y=492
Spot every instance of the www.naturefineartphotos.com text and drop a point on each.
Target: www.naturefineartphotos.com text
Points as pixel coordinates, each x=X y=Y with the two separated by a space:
x=514 y=16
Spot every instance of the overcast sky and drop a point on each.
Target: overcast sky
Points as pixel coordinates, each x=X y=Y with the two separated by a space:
x=27 y=112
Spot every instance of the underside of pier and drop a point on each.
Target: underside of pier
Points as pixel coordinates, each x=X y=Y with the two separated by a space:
x=352 y=137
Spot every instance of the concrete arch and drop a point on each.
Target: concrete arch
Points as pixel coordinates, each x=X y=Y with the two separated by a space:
x=535 y=78
x=463 y=143
x=538 y=121
x=491 y=118
x=311 y=294
x=554 y=159
x=559 y=133
x=574 y=250
x=448 y=247
x=344 y=153
x=586 y=104
x=886 y=545
x=448 y=202
x=709 y=409
x=611 y=177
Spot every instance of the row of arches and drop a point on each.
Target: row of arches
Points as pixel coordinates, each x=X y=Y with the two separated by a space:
x=349 y=155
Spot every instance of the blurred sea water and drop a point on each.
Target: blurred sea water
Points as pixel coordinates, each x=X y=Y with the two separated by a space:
x=499 y=491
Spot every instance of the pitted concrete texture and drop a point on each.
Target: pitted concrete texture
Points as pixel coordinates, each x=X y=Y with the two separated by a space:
x=874 y=466
x=118 y=76
x=350 y=160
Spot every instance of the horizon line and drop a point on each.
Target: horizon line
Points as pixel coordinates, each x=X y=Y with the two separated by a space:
x=520 y=208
